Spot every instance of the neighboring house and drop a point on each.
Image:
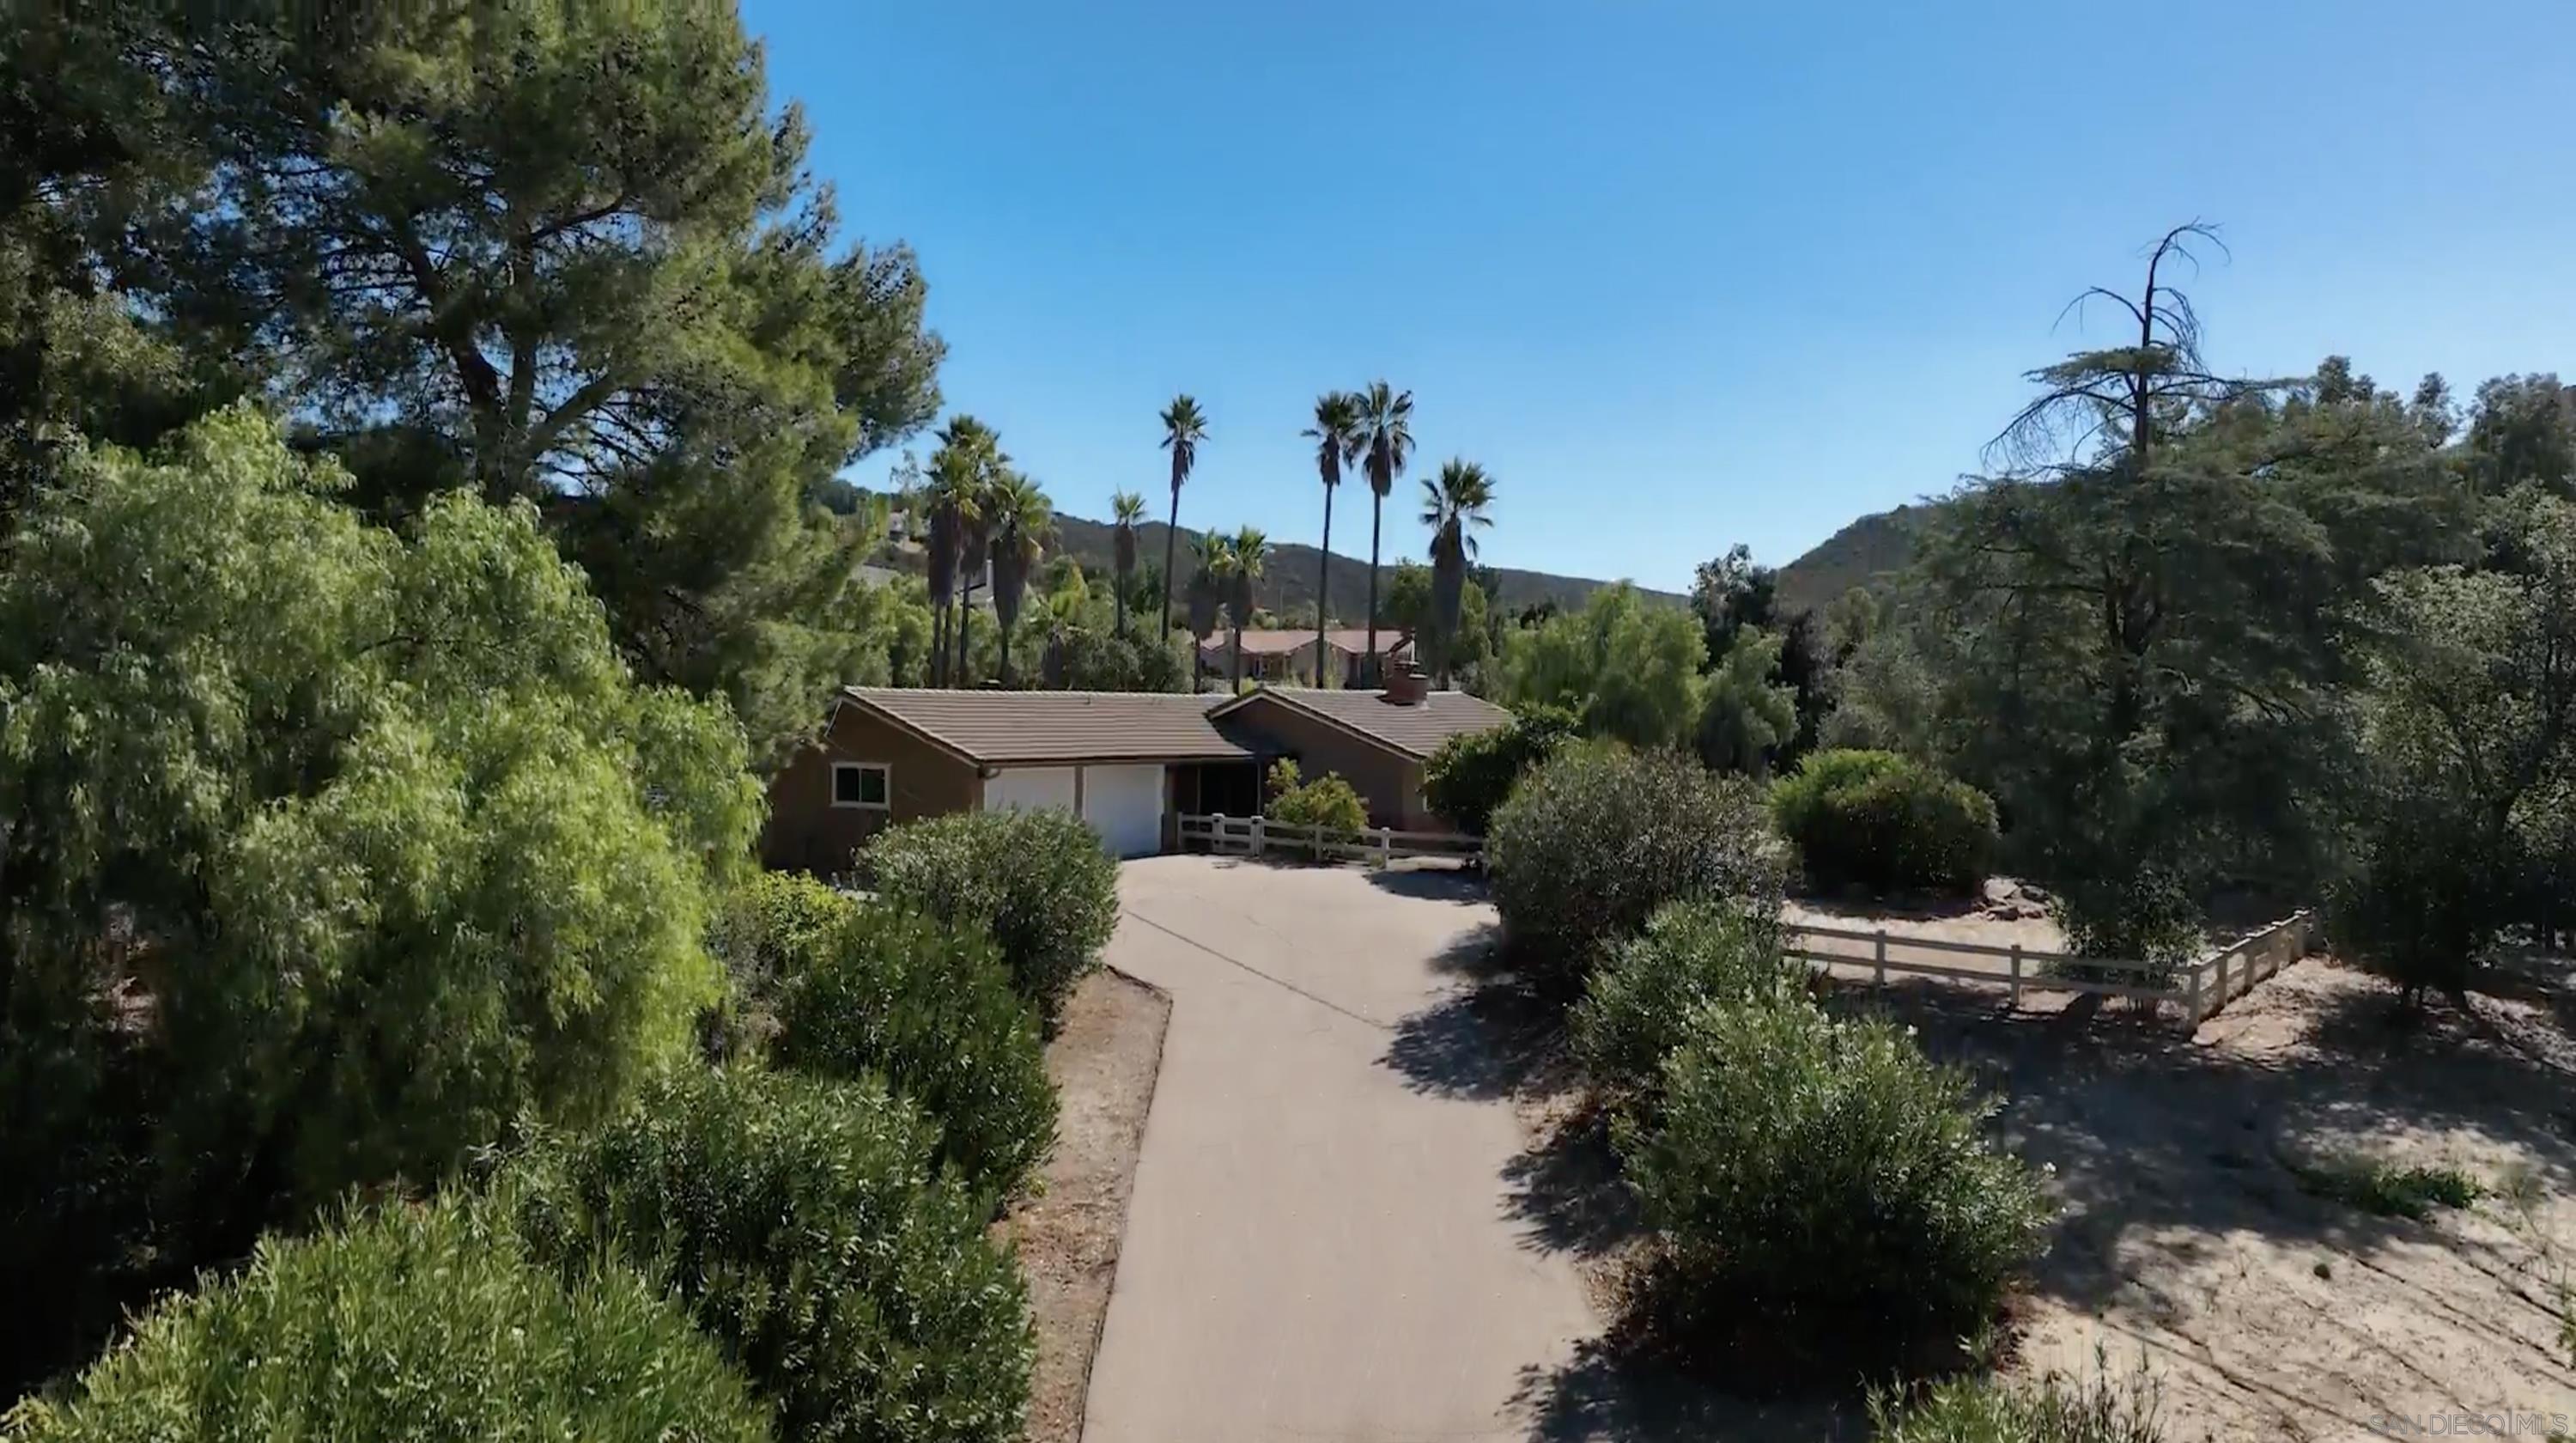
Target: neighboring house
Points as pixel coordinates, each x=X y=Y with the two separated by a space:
x=1130 y=763
x=1288 y=655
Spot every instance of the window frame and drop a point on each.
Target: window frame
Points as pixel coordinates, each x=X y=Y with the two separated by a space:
x=885 y=775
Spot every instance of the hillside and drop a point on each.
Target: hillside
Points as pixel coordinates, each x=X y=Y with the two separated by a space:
x=1289 y=580
x=1867 y=551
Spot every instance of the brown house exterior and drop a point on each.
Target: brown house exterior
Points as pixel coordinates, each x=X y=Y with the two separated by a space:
x=1127 y=762
x=1376 y=740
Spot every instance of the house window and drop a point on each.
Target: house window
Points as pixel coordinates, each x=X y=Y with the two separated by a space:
x=867 y=785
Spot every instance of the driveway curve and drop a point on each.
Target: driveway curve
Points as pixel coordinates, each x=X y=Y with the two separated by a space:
x=1319 y=1245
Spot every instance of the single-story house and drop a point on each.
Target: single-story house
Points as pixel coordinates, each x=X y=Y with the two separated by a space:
x=1130 y=763
x=1287 y=654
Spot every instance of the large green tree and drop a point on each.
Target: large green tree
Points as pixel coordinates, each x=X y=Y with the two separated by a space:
x=1455 y=505
x=1184 y=431
x=326 y=852
x=1627 y=668
x=566 y=253
x=1338 y=441
x=1386 y=432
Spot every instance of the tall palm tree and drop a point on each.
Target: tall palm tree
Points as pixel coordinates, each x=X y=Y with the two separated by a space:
x=1386 y=438
x=1023 y=522
x=975 y=552
x=1247 y=555
x=1212 y=558
x=1184 y=427
x=1336 y=434
x=956 y=480
x=1129 y=509
x=1453 y=505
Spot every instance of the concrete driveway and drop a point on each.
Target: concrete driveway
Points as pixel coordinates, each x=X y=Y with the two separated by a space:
x=1318 y=1246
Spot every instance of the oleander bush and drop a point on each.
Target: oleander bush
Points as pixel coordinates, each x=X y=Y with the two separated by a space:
x=1823 y=1181
x=1327 y=801
x=410 y=1321
x=1599 y=836
x=1884 y=822
x=895 y=995
x=804 y=1225
x=1037 y=882
x=1638 y=1004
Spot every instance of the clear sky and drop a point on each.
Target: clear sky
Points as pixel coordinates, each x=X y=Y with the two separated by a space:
x=1678 y=274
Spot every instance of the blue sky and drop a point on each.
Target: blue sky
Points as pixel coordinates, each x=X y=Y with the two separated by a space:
x=1679 y=275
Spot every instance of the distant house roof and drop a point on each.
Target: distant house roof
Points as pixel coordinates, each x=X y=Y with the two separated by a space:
x=1270 y=641
x=1416 y=729
x=1004 y=728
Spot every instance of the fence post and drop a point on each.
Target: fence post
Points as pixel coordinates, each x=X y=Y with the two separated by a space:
x=1216 y=834
x=1260 y=839
x=1385 y=848
x=2191 y=997
x=2016 y=977
x=1881 y=978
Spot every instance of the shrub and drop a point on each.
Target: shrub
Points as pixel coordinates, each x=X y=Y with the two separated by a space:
x=1037 y=882
x=1824 y=1181
x=410 y=1322
x=2145 y=915
x=2423 y=902
x=2389 y=1190
x=1327 y=801
x=2056 y=1409
x=802 y=1224
x=1471 y=775
x=764 y=931
x=1884 y=822
x=1598 y=837
x=932 y=1012
x=1637 y=1006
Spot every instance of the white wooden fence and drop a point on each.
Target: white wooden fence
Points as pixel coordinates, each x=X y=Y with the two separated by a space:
x=2197 y=988
x=1260 y=837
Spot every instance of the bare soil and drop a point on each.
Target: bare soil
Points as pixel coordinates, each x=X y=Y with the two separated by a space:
x=2189 y=1245
x=1103 y=1060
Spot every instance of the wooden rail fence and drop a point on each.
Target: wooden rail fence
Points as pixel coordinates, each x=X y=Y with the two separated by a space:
x=1259 y=837
x=2198 y=988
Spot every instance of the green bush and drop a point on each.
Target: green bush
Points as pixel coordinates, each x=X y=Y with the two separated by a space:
x=763 y=931
x=1638 y=1004
x=1471 y=775
x=1884 y=822
x=2056 y=1409
x=1037 y=882
x=931 y=1011
x=409 y=1322
x=1824 y=1181
x=1327 y=801
x=802 y=1224
x=2142 y=915
x=1598 y=837
x=2424 y=899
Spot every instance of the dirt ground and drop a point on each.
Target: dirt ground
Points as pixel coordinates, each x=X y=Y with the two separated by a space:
x=1103 y=1060
x=2187 y=1244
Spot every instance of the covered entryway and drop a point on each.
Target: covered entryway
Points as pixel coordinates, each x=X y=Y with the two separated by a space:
x=1124 y=804
x=1029 y=788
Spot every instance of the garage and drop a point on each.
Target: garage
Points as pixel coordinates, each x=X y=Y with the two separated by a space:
x=1026 y=789
x=1125 y=806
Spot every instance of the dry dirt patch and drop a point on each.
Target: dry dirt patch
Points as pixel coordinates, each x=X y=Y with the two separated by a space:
x=2188 y=1239
x=1103 y=1061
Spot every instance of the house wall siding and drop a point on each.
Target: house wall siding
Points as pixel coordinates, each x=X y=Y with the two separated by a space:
x=806 y=833
x=1390 y=782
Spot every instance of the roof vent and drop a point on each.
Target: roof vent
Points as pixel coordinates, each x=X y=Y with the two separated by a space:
x=1405 y=686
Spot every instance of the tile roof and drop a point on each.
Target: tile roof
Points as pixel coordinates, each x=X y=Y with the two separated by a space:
x=1267 y=641
x=1416 y=730
x=1004 y=727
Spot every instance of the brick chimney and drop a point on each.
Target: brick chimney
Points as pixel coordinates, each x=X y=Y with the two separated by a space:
x=1405 y=687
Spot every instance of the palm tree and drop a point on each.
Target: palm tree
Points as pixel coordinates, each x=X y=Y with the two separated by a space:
x=1213 y=561
x=1453 y=506
x=1183 y=429
x=1129 y=509
x=1336 y=433
x=956 y=481
x=1246 y=556
x=975 y=552
x=1022 y=522
x=1386 y=437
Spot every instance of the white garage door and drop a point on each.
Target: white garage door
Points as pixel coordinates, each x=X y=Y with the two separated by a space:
x=1125 y=806
x=1029 y=788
